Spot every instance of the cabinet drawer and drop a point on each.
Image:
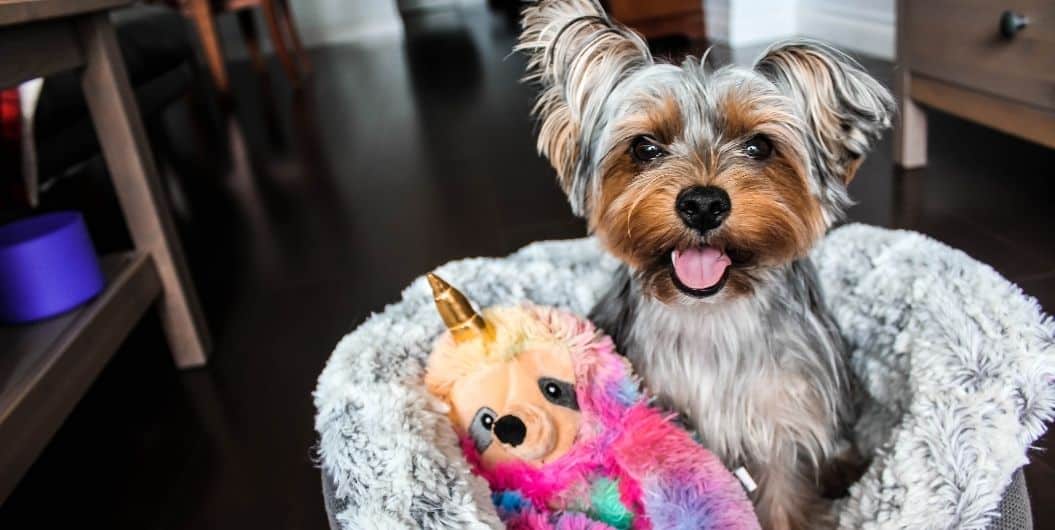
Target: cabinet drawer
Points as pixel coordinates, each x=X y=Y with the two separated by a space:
x=959 y=41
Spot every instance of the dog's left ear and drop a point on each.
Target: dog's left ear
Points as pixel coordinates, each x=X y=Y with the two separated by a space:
x=577 y=55
x=844 y=108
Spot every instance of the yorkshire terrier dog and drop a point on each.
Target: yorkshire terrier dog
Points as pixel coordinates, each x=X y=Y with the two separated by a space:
x=712 y=186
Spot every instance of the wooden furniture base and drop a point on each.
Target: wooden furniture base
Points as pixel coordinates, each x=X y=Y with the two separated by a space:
x=660 y=18
x=46 y=367
x=49 y=365
x=965 y=58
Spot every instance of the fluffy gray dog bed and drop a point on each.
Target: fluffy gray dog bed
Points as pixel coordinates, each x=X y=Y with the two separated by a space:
x=959 y=361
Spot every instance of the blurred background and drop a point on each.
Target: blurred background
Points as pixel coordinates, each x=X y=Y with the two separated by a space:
x=310 y=181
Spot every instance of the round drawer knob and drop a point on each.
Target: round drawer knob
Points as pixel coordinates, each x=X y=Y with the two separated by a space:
x=1011 y=23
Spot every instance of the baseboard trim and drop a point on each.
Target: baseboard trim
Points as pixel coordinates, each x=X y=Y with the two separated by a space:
x=326 y=35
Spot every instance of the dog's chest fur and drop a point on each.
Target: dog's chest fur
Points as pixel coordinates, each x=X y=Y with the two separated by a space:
x=752 y=375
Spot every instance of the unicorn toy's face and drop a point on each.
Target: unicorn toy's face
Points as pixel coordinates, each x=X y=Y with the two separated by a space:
x=523 y=408
x=508 y=378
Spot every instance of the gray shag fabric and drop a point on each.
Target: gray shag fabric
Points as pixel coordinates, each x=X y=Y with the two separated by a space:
x=1014 y=511
x=959 y=362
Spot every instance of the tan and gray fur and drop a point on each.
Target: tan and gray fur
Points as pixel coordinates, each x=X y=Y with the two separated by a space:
x=758 y=368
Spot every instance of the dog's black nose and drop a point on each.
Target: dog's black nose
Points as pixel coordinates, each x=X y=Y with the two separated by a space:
x=510 y=430
x=703 y=207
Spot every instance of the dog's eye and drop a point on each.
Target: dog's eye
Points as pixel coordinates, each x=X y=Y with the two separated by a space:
x=558 y=392
x=758 y=147
x=644 y=150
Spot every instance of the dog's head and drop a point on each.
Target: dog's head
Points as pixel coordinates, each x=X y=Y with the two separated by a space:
x=699 y=180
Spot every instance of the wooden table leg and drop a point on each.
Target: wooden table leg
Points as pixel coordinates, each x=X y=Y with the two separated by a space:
x=200 y=13
x=910 y=124
x=272 y=13
x=128 y=157
x=907 y=203
x=294 y=35
x=247 y=23
x=910 y=127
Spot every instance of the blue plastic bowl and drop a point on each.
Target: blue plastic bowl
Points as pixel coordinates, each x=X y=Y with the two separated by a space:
x=47 y=266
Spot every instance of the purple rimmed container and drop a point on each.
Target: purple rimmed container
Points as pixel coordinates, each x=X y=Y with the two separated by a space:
x=47 y=266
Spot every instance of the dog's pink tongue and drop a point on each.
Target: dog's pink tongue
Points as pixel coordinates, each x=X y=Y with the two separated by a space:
x=700 y=268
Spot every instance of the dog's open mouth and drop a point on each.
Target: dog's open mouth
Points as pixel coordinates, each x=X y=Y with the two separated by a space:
x=700 y=271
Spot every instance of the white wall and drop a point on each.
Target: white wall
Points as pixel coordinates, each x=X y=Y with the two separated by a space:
x=747 y=22
x=418 y=5
x=332 y=21
x=864 y=26
x=323 y=22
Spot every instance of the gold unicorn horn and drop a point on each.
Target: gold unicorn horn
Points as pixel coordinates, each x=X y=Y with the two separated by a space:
x=457 y=313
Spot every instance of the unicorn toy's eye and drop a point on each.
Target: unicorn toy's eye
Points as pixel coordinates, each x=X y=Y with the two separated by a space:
x=552 y=391
x=558 y=392
x=480 y=428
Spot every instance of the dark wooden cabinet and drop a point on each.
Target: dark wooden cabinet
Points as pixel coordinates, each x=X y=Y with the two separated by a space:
x=992 y=62
x=660 y=18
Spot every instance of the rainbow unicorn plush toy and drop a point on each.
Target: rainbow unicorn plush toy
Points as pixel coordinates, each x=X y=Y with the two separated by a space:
x=552 y=417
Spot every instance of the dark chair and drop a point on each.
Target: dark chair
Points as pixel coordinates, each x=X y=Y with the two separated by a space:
x=280 y=26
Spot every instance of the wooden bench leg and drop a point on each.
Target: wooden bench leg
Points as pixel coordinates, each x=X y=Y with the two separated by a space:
x=247 y=24
x=272 y=12
x=294 y=36
x=910 y=136
x=200 y=13
x=128 y=156
x=910 y=124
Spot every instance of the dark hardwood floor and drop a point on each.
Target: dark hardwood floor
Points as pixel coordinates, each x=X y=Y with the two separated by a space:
x=301 y=214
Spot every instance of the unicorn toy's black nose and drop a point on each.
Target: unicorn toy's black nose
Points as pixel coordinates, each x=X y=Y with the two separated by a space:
x=510 y=430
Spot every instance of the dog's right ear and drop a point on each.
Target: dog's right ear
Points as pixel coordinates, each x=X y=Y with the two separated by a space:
x=578 y=55
x=845 y=108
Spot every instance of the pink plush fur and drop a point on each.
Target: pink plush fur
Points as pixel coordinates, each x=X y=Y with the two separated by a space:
x=665 y=478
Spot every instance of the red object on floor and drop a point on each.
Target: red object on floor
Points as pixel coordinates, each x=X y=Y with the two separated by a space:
x=10 y=117
x=12 y=189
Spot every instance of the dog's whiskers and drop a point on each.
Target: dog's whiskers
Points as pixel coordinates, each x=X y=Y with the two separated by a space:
x=640 y=196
